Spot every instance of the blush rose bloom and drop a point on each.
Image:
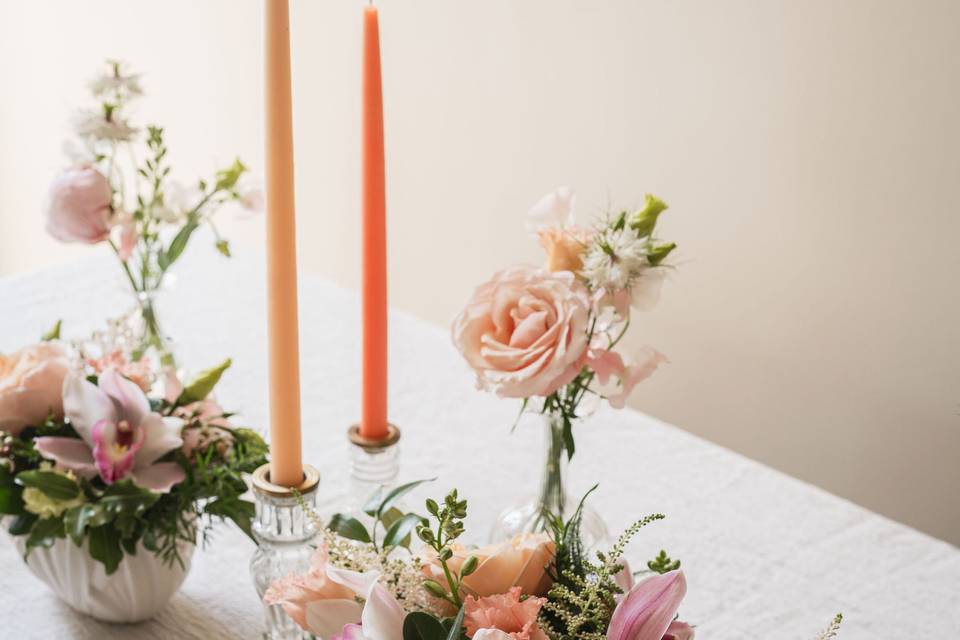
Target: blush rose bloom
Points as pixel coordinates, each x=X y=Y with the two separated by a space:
x=525 y=331
x=79 y=209
x=31 y=385
x=520 y=562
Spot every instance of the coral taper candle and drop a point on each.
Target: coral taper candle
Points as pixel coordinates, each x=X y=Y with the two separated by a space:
x=286 y=466
x=373 y=422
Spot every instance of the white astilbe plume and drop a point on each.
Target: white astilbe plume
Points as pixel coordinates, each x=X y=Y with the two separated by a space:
x=831 y=631
x=615 y=259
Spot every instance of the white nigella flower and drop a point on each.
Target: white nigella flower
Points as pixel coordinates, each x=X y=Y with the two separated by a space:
x=94 y=125
x=116 y=81
x=615 y=259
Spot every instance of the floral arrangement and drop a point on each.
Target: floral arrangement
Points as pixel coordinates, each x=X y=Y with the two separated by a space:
x=97 y=447
x=535 y=586
x=117 y=190
x=552 y=335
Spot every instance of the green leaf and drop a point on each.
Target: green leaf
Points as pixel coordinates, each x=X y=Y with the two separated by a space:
x=227 y=178
x=398 y=535
x=53 y=333
x=45 y=532
x=11 y=500
x=568 y=442
x=54 y=485
x=201 y=386
x=240 y=511
x=374 y=502
x=393 y=496
x=177 y=245
x=104 y=544
x=349 y=528
x=423 y=626
x=456 y=627
x=659 y=253
x=127 y=503
x=22 y=524
x=77 y=519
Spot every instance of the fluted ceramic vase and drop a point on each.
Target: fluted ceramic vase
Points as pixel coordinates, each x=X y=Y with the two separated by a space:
x=138 y=590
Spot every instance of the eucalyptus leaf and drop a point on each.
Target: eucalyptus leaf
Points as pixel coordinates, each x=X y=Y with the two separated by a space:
x=398 y=535
x=350 y=528
x=422 y=626
x=54 y=485
x=201 y=386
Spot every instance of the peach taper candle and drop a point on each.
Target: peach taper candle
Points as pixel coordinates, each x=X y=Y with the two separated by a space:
x=286 y=466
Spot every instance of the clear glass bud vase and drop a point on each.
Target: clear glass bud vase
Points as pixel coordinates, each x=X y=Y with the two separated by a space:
x=149 y=338
x=533 y=514
x=286 y=534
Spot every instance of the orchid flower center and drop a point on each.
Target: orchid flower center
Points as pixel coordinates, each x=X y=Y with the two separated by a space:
x=124 y=436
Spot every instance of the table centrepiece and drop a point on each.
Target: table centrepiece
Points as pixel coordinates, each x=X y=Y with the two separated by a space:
x=118 y=191
x=110 y=472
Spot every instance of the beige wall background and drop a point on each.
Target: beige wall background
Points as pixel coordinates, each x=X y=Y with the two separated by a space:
x=810 y=152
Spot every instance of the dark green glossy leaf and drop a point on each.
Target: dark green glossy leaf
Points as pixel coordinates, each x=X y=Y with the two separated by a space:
x=45 y=532
x=104 y=545
x=11 y=501
x=127 y=502
x=52 y=484
x=398 y=534
x=77 y=519
x=22 y=524
x=240 y=511
x=350 y=528
x=423 y=626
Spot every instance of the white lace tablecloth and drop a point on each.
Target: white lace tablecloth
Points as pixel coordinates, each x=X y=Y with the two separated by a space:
x=766 y=556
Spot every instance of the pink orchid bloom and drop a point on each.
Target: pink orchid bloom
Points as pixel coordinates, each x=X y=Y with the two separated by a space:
x=120 y=437
x=678 y=631
x=382 y=617
x=648 y=610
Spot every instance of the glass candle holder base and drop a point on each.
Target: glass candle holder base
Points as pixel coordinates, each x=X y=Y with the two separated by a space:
x=286 y=533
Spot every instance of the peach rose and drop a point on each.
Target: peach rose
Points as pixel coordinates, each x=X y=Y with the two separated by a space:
x=564 y=247
x=521 y=562
x=80 y=206
x=31 y=385
x=525 y=331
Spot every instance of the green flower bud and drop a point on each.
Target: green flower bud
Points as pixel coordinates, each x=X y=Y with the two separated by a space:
x=469 y=566
x=445 y=554
x=658 y=253
x=434 y=589
x=425 y=534
x=645 y=220
x=432 y=507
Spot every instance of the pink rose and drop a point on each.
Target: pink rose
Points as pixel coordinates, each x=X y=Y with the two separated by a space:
x=503 y=617
x=525 y=331
x=31 y=385
x=80 y=206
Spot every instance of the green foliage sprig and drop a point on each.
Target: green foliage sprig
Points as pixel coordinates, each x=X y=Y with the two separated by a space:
x=381 y=507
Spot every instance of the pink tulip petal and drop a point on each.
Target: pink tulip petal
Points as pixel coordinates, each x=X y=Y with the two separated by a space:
x=68 y=453
x=133 y=402
x=159 y=477
x=161 y=435
x=646 y=613
x=84 y=405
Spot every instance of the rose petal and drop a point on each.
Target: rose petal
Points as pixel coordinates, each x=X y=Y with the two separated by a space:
x=159 y=477
x=70 y=454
